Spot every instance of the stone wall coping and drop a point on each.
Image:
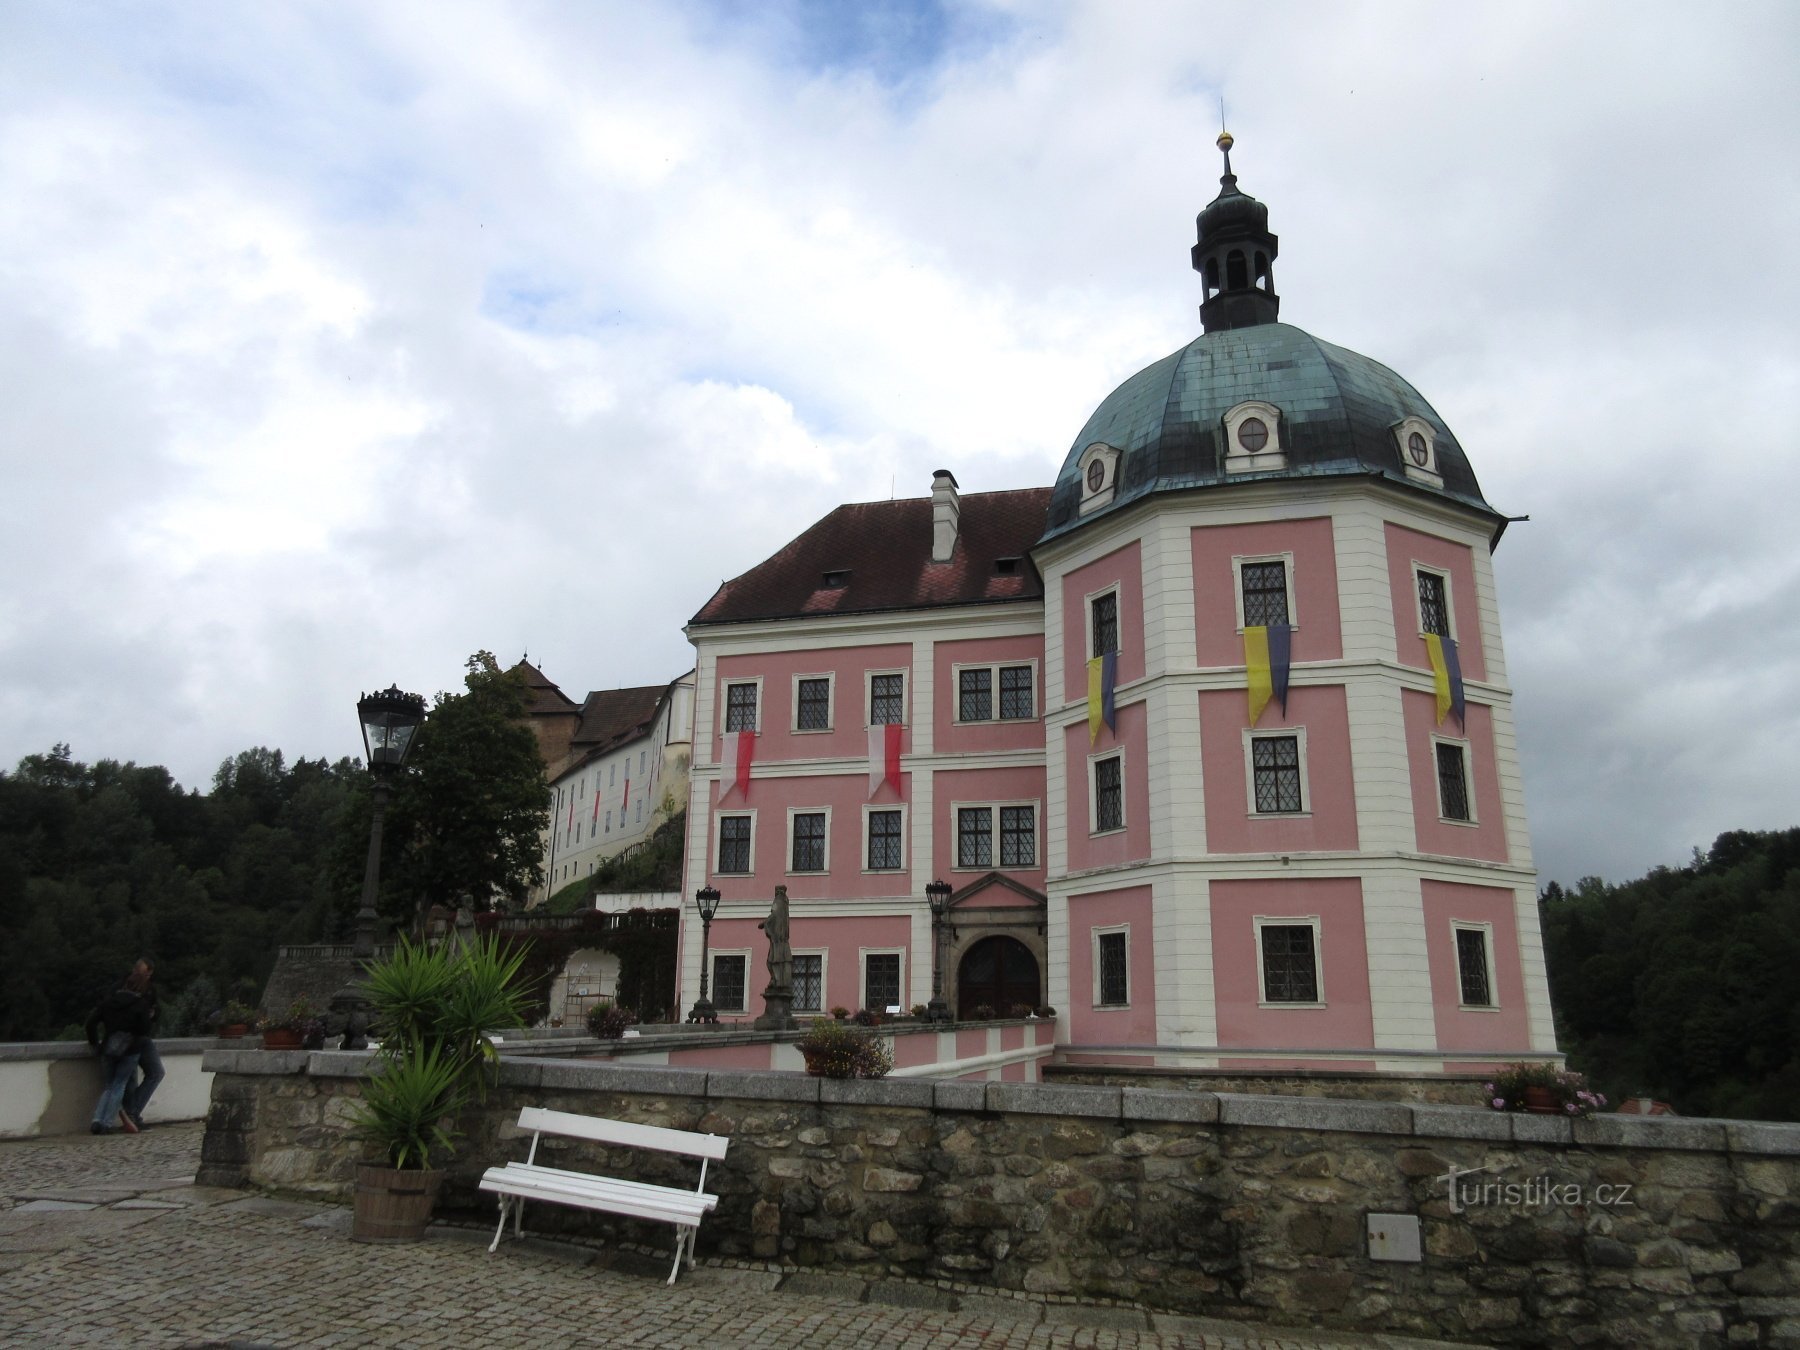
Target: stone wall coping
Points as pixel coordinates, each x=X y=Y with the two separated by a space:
x=1407 y=1119
x=15 y=1051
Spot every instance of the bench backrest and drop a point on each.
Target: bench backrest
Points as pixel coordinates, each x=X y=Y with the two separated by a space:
x=543 y=1120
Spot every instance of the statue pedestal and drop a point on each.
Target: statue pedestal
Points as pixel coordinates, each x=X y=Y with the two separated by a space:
x=778 y=1009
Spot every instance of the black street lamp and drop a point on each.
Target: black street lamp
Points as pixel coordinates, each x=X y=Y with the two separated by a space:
x=706 y=900
x=937 y=893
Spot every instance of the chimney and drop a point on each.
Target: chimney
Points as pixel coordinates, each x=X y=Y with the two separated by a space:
x=945 y=512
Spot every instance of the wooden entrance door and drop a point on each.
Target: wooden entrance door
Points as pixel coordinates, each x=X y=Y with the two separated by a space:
x=1000 y=972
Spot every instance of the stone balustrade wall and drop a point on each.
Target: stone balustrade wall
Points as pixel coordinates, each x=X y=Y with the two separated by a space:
x=1218 y=1204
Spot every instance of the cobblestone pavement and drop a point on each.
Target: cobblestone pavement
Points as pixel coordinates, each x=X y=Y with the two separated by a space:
x=107 y=1241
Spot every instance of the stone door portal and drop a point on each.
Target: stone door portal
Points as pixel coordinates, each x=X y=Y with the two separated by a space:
x=998 y=972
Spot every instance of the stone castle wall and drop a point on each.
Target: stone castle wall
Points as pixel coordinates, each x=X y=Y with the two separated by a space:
x=1218 y=1204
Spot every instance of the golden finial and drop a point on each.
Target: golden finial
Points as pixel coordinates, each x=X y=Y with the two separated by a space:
x=1224 y=142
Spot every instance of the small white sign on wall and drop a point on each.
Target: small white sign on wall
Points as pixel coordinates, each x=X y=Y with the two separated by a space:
x=1394 y=1237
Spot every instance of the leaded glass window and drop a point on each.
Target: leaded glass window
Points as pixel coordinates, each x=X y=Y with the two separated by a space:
x=814 y=711
x=975 y=695
x=809 y=841
x=886 y=696
x=1290 y=964
x=740 y=707
x=1453 y=784
x=881 y=980
x=975 y=836
x=1018 y=836
x=1472 y=967
x=734 y=843
x=1275 y=766
x=809 y=981
x=1265 y=593
x=1106 y=623
x=728 y=982
x=1114 y=987
x=1016 y=701
x=1109 y=794
x=1434 y=613
x=884 y=841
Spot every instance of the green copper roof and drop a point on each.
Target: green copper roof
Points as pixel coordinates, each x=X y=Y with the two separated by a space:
x=1338 y=410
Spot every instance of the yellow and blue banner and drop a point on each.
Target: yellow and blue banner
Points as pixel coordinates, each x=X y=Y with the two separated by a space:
x=1103 y=674
x=1446 y=675
x=1268 y=655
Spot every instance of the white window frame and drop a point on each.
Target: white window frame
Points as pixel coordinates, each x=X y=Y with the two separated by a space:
x=712 y=976
x=1262 y=921
x=824 y=955
x=1094 y=936
x=1487 y=950
x=725 y=683
x=830 y=678
x=788 y=859
x=1240 y=460
x=1252 y=734
x=1037 y=835
x=1238 y=563
x=1449 y=596
x=1087 y=620
x=862 y=974
x=1463 y=747
x=719 y=841
x=869 y=809
x=869 y=696
x=1093 y=783
x=993 y=669
x=1093 y=499
x=1431 y=471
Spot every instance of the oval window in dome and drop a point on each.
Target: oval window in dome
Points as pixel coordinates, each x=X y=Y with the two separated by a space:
x=1416 y=447
x=1253 y=434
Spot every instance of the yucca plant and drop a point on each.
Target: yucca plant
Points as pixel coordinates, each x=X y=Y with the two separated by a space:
x=405 y=1106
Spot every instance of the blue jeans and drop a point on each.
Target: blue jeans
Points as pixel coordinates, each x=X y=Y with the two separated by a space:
x=138 y=1097
x=117 y=1070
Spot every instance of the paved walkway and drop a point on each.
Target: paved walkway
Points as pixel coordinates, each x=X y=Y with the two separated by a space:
x=107 y=1241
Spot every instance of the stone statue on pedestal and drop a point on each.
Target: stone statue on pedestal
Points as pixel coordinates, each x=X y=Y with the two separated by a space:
x=778 y=998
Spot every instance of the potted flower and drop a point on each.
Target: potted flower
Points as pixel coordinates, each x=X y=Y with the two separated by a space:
x=834 y=1049
x=1542 y=1089
x=235 y=1019
x=434 y=1007
x=299 y=1027
x=608 y=1020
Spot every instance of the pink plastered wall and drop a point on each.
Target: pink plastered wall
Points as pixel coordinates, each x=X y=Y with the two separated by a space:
x=977 y=787
x=1506 y=1027
x=1312 y=581
x=1330 y=784
x=1346 y=1021
x=953 y=737
x=772 y=799
x=1125 y=567
x=1131 y=844
x=1486 y=837
x=842 y=940
x=849 y=735
x=1135 y=1023
x=1404 y=548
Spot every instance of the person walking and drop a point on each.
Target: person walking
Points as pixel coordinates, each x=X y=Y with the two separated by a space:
x=119 y=1029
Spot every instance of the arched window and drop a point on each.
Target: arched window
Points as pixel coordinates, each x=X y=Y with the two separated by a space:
x=1236 y=276
x=1212 y=277
x=1262 y=271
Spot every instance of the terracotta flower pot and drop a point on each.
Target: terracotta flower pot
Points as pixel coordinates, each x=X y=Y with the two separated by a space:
x=233 y=1031
x=281 y=1038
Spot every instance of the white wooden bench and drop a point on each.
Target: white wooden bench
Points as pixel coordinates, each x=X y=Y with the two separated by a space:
x=515 y=1183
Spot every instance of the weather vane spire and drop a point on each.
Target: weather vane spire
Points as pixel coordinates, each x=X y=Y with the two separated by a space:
x=1224 y=142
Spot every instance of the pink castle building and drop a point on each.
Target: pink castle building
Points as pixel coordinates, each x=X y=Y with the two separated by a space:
x=1044 y=698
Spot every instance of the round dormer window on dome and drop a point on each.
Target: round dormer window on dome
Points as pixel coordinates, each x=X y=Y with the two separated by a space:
x=1417 y=442
x=1253 y=438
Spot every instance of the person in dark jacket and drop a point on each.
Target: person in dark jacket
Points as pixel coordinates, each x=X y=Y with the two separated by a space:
x=119 y=1030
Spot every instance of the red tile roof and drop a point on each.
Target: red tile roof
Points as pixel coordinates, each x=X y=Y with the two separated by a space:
x=611 y=716
x=542 y=693
x=886 y=549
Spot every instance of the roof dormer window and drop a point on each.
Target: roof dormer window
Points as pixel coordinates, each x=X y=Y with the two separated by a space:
x=837 y=580
x=1099 y=466
x=1417 y=443
x=1253 y=438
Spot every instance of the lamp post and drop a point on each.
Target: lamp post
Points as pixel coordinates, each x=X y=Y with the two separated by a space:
x=937 y=894
x=390 y=721
x=706 y=900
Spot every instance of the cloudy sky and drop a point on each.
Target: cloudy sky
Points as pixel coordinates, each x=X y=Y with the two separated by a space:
x=340 y=340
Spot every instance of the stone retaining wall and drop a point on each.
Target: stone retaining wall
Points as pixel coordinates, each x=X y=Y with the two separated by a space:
x=1351 y=1084
x=1218 y=1204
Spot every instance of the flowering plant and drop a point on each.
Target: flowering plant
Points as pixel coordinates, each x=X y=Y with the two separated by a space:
x=1562 y=1090
x=235 y=1014
x=608 y=1020
x=835 y=1049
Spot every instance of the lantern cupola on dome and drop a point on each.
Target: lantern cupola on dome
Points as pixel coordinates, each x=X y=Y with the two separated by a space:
x=1235 y=256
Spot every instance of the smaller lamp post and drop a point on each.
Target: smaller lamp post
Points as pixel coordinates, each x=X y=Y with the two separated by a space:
x=706 y=900
x=937 y=893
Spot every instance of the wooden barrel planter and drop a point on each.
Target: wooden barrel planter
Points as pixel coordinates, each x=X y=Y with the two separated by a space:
x=393 y=1204
x=1542 y=1101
